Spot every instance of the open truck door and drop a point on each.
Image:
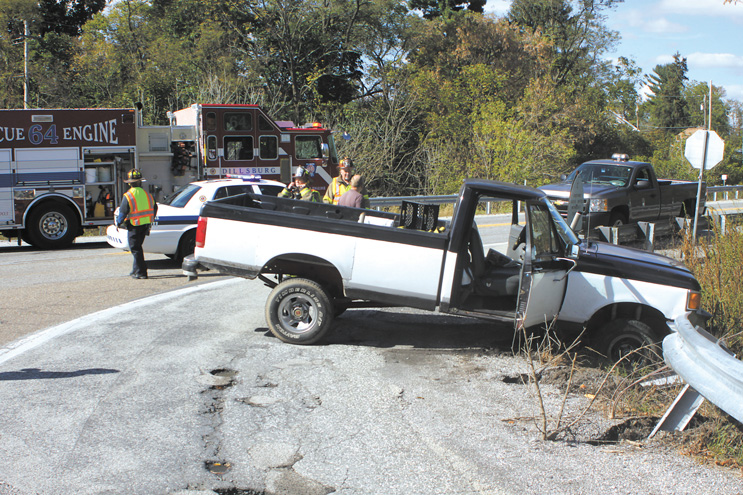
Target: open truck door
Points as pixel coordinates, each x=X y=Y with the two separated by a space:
x=515 y=275
x=544 y=273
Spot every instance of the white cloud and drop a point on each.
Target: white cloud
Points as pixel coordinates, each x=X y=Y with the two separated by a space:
x=715 y=60
x=663 y=26
x=701 y=7
x=664 y=59
x=640 y=21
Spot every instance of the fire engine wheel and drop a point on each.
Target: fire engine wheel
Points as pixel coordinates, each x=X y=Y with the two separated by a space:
x=52 y=226
x=631 y=338
x=299 y=311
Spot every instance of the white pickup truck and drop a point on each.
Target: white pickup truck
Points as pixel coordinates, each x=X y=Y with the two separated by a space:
x=322 y=259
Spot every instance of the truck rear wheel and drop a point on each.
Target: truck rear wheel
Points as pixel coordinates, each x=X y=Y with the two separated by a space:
x=52 y=226
x=631 y=338
x=299 y=311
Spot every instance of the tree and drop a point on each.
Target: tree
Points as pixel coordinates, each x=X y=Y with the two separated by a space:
x=575 y=28
x=306 y=51
x=53 y=26
x=696 y=95
x=667 y=106
x=436 y=8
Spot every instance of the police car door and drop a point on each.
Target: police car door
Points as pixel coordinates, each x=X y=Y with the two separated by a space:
x=544 y=273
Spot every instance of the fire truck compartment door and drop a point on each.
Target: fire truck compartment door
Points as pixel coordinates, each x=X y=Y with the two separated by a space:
x=48 y=164
x=6 y=193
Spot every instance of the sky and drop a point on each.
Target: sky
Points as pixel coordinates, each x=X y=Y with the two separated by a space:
x=706 y=32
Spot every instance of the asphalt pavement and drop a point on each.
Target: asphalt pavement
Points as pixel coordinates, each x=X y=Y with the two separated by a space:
x=186 y=392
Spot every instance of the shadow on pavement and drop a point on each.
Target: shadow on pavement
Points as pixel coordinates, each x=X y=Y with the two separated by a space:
x=421 y=330
x=37 y=374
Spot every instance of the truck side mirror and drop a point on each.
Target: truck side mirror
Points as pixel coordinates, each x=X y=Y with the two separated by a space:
x=325 y=150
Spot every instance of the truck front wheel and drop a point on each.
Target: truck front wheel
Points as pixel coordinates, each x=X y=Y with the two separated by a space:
x=52 y=226
x=632 y=339
x=299 y=311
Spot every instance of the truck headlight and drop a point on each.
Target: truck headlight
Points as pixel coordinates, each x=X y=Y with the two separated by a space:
x=598 y=205
x=693 y=301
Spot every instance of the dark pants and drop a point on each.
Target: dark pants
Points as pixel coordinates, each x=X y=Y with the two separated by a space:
x=136 y=237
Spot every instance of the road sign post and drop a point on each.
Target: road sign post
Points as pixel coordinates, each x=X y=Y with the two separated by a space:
x=704 y=150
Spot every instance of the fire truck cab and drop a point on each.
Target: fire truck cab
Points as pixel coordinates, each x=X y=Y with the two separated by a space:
x=62 y=170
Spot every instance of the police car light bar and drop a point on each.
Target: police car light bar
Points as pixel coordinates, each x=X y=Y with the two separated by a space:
x=252 y=178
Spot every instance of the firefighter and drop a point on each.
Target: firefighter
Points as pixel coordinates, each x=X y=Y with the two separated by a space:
x=340 y=184
x=136 y=214
x=300 y=188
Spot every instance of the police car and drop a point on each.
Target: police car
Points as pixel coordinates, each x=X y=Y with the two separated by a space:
x=174 y=229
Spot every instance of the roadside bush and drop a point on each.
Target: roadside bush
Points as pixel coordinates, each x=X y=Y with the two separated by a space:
x=718 y=265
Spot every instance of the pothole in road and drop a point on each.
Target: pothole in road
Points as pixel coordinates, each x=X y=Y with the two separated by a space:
x=239 y=491
x=217 y=467
x=225 y=378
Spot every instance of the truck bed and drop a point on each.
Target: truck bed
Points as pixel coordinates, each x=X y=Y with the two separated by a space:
x=367 y=249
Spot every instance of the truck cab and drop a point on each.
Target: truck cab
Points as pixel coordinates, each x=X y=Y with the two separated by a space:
x=519 y=276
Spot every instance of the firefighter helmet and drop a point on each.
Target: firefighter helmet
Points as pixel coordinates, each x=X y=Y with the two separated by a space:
x=134 y=175
x=302 y=174
x=346 y=163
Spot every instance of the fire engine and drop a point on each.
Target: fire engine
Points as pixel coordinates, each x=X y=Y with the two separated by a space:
x=62 y=170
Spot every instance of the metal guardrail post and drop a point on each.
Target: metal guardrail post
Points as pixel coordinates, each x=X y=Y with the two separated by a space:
x=610 y=234
x=706 y=365
x=677 y=416
x=648 y=231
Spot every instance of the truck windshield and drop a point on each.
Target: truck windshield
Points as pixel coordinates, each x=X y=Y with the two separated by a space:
x=599 y=173
x=179 y=198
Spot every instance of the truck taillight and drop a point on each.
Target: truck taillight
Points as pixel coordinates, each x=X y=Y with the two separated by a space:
x=200 y=232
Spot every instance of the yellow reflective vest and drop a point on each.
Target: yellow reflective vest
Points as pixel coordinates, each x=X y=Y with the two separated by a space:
x=141 y=206
x=336 y=189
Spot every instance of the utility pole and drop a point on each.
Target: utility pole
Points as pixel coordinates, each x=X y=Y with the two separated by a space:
x=26 y=34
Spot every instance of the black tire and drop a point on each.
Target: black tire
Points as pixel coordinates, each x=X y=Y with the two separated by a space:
x=186 y=245
x=620 y=338
x=617 y=219
x=52 y=226
x=299 y=311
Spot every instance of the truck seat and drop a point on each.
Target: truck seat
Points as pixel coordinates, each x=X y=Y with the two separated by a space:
x=495 y=275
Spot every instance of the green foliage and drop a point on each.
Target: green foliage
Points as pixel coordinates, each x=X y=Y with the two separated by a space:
x=696 y=94
x=718 y=266
x=428 y=100
x=668 y=109
x=436 y=8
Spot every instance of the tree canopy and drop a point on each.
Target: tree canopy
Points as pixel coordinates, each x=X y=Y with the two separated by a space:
x=432 y=91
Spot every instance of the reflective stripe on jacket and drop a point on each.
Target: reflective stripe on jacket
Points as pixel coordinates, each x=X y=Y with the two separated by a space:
x=336 y=189
x=141 y=206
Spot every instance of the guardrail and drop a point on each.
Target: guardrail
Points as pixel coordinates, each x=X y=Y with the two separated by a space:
x=717 y=193
x=706 y=365
x=713 y=193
